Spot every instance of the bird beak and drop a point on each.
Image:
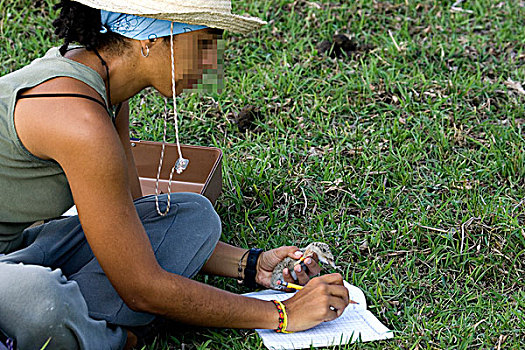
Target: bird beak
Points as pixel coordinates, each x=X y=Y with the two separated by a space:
x=328 y=262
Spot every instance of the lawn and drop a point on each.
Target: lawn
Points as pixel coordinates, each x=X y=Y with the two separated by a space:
x=406 y=155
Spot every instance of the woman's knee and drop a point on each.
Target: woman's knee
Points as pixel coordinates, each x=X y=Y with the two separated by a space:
x=209 y=217
x=196 y=213
x=33 y=305
x=23 y=284
x=186 y=239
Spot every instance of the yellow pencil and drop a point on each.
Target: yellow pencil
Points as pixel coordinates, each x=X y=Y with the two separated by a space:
x=290 y=285
x=298 y=287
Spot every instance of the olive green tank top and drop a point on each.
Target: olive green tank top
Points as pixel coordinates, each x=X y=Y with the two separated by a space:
x=33 y=189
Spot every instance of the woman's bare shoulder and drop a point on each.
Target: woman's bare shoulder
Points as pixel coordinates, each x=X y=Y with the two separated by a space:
x=63 y=85
x=45 y=124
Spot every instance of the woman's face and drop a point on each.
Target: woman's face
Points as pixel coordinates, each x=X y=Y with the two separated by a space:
x=194 y=52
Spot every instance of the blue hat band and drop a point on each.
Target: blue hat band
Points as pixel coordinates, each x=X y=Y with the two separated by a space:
x=142 y=28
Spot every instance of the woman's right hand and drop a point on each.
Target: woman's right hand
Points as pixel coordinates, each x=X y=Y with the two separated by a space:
x=323 y=299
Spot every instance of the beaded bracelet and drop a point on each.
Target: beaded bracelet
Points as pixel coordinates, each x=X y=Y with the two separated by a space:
x=283 y=317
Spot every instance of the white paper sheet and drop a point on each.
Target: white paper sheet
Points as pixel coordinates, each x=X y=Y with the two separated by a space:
x=355 y=323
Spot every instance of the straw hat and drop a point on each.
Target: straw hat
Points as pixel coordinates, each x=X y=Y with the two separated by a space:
x=211 y=13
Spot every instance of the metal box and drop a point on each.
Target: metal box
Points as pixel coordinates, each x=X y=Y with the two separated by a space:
x=203 y=174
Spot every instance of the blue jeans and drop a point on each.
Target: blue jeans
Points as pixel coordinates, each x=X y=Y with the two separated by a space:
x=53 y=287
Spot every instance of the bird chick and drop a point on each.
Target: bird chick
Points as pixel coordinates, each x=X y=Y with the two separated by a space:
x=322 y=250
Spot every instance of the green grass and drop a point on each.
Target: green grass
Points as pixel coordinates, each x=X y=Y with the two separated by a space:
x=408 y=158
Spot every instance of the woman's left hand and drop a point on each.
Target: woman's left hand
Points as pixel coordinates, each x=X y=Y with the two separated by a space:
x=268 y=260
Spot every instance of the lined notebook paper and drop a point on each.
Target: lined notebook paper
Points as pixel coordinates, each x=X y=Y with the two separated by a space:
x=356 y=323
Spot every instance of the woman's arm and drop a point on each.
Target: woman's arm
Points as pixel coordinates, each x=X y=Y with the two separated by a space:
x=89 y=150
x=122 y=125
x=225 y=262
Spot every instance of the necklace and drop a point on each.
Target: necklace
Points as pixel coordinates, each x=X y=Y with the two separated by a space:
x=105 y=65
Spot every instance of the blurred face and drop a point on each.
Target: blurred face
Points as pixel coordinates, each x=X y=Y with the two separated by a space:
x=196 y=54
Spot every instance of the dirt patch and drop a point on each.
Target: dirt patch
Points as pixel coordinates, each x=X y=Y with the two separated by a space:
x=245 y=119
x=340 y=45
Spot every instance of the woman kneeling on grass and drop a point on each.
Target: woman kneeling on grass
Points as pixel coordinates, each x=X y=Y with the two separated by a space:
x=86 y=281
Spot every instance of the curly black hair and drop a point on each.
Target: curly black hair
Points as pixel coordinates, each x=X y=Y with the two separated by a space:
x=80 y=23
